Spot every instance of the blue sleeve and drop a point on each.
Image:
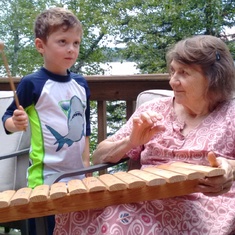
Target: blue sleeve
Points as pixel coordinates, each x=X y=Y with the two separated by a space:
x=28 y=92
x=24 y=94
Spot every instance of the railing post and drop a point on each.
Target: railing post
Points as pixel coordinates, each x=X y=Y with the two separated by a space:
x=102 y=125
x=102 y=120
x=130 y=108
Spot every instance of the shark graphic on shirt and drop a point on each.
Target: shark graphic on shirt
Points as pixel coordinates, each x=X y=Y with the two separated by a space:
x=75 y=123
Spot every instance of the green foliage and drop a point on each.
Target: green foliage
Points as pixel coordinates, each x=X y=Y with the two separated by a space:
x=115 y=119
x=155 y=25
x=146 y=28
x=115 y=116
x=16 y=31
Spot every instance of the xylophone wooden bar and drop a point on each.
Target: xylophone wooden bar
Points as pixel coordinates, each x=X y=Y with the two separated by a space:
x=97 y=192
x=206 y=170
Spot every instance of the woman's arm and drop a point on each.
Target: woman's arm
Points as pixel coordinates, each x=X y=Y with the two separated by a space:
x=111 y=151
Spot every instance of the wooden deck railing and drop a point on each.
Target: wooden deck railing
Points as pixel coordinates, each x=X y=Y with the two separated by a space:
x=109 y=88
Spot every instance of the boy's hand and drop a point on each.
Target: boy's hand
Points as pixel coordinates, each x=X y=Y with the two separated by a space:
x=20 y=119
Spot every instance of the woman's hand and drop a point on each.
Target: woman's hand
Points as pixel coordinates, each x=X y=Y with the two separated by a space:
x=145 y=127
x=217 y=185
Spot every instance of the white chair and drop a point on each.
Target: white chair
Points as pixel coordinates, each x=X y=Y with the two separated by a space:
x=14 y=160
x=152 y=94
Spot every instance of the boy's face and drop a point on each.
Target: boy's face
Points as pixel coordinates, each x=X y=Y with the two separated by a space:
x=61 y=50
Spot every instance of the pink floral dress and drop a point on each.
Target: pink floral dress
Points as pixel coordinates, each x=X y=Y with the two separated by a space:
x=193 y=214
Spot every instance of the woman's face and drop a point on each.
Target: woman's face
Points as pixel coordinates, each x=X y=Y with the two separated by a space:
x=188 y=83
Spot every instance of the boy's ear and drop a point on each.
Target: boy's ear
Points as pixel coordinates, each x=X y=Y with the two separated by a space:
x=39 y=45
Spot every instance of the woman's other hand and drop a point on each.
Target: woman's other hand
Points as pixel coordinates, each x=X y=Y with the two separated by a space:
x=218 y=185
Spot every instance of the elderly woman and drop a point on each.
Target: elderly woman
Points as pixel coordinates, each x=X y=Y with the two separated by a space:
x=197 y=125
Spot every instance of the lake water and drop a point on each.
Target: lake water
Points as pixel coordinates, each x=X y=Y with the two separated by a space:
x=120 y=68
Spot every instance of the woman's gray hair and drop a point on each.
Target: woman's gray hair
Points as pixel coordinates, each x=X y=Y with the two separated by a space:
x=215 y=60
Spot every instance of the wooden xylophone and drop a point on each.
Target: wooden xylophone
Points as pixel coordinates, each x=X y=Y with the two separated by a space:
x=151 y=183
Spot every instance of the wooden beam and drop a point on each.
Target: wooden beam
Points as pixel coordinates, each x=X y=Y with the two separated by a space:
x=114 y=87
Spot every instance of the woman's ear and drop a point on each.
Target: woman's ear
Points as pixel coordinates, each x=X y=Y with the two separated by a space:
x=39 y=45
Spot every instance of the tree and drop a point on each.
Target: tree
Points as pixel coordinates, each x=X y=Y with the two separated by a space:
x=150 y=27
x=16 y=24
x=146 y=28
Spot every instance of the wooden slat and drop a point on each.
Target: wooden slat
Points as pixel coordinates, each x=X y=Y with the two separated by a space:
x=206 y=170
x=112 y=183
x=58 y=190
x=149 y=178
x=40 y=193
x=189 y=173
x=21 y=197
x=170 y=176
x=131 y=180
x=93 y=184
x=5 y=198
x=76 y=186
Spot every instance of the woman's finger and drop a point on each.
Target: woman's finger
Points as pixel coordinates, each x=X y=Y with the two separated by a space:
x=212 y=159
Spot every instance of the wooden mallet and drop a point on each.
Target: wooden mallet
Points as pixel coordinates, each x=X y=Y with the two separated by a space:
x=9 y=74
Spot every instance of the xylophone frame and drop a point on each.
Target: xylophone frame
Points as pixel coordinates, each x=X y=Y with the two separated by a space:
x=178 y=182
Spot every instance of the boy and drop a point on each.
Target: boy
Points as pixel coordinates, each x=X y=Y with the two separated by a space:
x=54 y=100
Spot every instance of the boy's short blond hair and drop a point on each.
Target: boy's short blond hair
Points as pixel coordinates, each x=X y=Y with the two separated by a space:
x=53 y=19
